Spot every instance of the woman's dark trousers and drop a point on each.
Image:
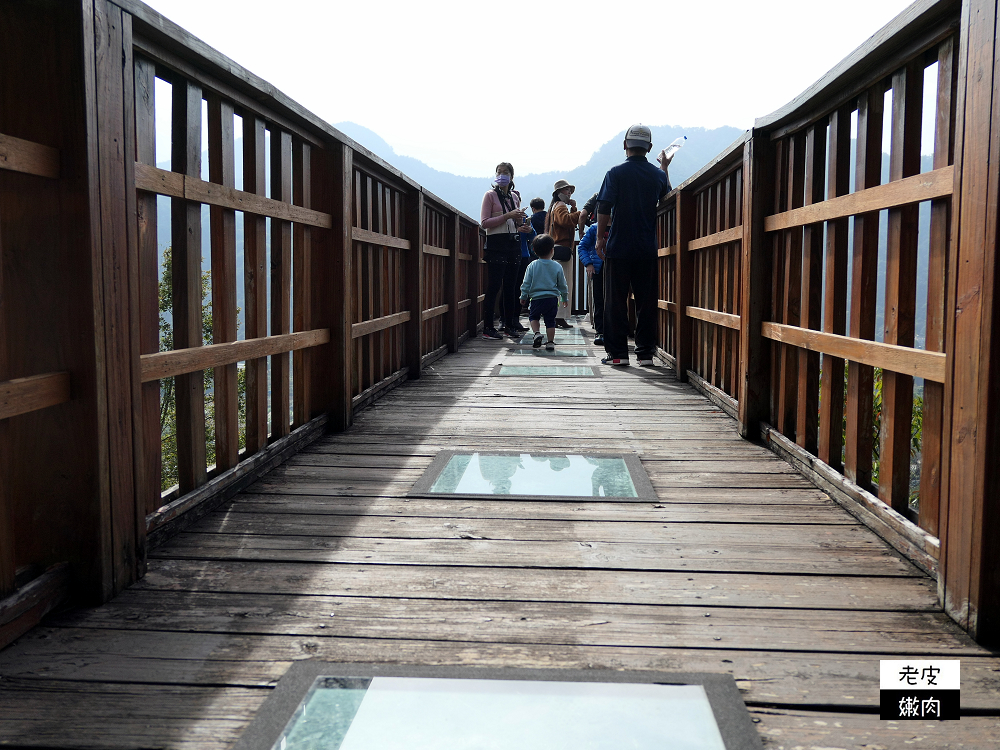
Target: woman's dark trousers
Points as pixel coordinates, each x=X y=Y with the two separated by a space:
x=502 y=276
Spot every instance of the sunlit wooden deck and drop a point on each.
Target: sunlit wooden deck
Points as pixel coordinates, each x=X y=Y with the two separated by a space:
x=741 y=566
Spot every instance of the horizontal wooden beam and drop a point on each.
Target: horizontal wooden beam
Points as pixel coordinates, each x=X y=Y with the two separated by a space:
x=666 y=305
x=719 y=238
x=462 y=304
x=663 y=252
x=25 y=608
x=175 y=185
x=178 y=362
x=379 y=324
x=23 y=395
x=18 y=155
x=434 y=312
x=465 y=256
x=726 y=320
x=480 y=298
x=433 y=250
x=376 y=238
x=902 y=359
x=921 y=187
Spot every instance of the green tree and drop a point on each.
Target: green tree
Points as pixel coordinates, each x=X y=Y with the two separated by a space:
x=168 y=404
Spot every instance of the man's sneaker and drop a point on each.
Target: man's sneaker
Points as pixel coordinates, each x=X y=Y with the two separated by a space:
x=550 y=346
x=599 y=340
x=615 y=361
x=538 y=341
x=646 y=362
x=491 y=333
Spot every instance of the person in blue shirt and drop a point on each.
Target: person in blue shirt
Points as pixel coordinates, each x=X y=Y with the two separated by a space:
x=594 y=264
x=538 y=214
x=627 y=202
x=545 y=285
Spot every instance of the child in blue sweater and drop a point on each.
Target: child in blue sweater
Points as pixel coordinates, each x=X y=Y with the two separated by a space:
x=545 y=285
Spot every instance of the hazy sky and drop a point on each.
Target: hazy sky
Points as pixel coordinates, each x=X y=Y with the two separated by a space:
x=464 y=85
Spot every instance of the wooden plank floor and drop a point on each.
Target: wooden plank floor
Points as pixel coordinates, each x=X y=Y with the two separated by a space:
x=740 y=566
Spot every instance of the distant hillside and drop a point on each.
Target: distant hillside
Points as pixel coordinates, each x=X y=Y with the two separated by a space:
x=466 y=193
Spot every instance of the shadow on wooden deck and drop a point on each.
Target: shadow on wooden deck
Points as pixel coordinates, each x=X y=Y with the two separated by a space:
x=739 y=566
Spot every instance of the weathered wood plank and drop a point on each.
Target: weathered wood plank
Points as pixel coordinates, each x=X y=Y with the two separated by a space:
x=533 y=622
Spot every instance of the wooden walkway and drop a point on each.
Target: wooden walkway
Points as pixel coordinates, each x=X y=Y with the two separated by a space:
x=741 y=566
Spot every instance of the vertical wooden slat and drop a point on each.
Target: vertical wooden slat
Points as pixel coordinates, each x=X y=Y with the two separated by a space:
x=454 y=294
x=255 y=281
x=969 y=579
x=222 y=171
x=938 y=243
x=864 y=263
x=789 y=398
x=186 y=243
x=831 y=402
x=342 y=261
x=811 y=295
x=149 y=308
x=414 y=280
x=8 y=562
x=758 y=189
x=281 y=280
x=900 y=289
x=779 y=257
x=303 y=283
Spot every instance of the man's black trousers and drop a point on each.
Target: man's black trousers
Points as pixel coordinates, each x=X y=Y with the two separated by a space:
x=640 y=275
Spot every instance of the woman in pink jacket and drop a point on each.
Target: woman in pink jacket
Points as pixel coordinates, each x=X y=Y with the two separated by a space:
x=503 y=219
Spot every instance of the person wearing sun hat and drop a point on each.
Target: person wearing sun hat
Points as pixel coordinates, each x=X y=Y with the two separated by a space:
x=560 y=224
x=630 y=193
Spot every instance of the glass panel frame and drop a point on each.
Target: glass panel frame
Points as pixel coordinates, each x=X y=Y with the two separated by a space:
x=732 y=720
x=643 y=488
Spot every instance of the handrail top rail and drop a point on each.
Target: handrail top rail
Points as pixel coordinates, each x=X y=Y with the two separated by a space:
x=180 y=41
x=879 y=47
x=728 y=158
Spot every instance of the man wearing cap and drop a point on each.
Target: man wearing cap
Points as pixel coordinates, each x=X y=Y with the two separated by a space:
x=627 y=202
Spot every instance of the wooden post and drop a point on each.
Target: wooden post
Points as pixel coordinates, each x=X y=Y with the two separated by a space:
x=791 y=241
x=931 y=479
x=222 y=171
x=341 y=263
x=255 y=281
x=124 y=546
x=758 y=187
x=414 y=279
x=186 y=243
x=969 y=576
x=281 y=280
x=454 y=295
x=149 y=309
x=8 y=561
x=686 y=219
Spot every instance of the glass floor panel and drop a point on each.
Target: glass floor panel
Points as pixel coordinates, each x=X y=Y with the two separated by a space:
x=431 y=713
x=541 y=371
x=575 y=338
x=538 y=475
x=557 y=353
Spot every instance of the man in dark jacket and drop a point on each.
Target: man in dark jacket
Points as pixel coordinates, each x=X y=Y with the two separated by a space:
x=630 y=193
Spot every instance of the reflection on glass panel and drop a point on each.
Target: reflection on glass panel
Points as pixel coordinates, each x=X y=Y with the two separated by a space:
x=525 y=474
x=546 y=370
x=555 y=353
x=322 y=719
x=574 y=338
x=409 y=713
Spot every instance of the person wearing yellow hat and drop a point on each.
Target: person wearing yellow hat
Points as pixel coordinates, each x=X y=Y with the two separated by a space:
x=560 y=223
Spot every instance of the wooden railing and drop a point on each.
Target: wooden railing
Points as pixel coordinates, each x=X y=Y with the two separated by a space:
x=776 y=265
x=352 y=278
